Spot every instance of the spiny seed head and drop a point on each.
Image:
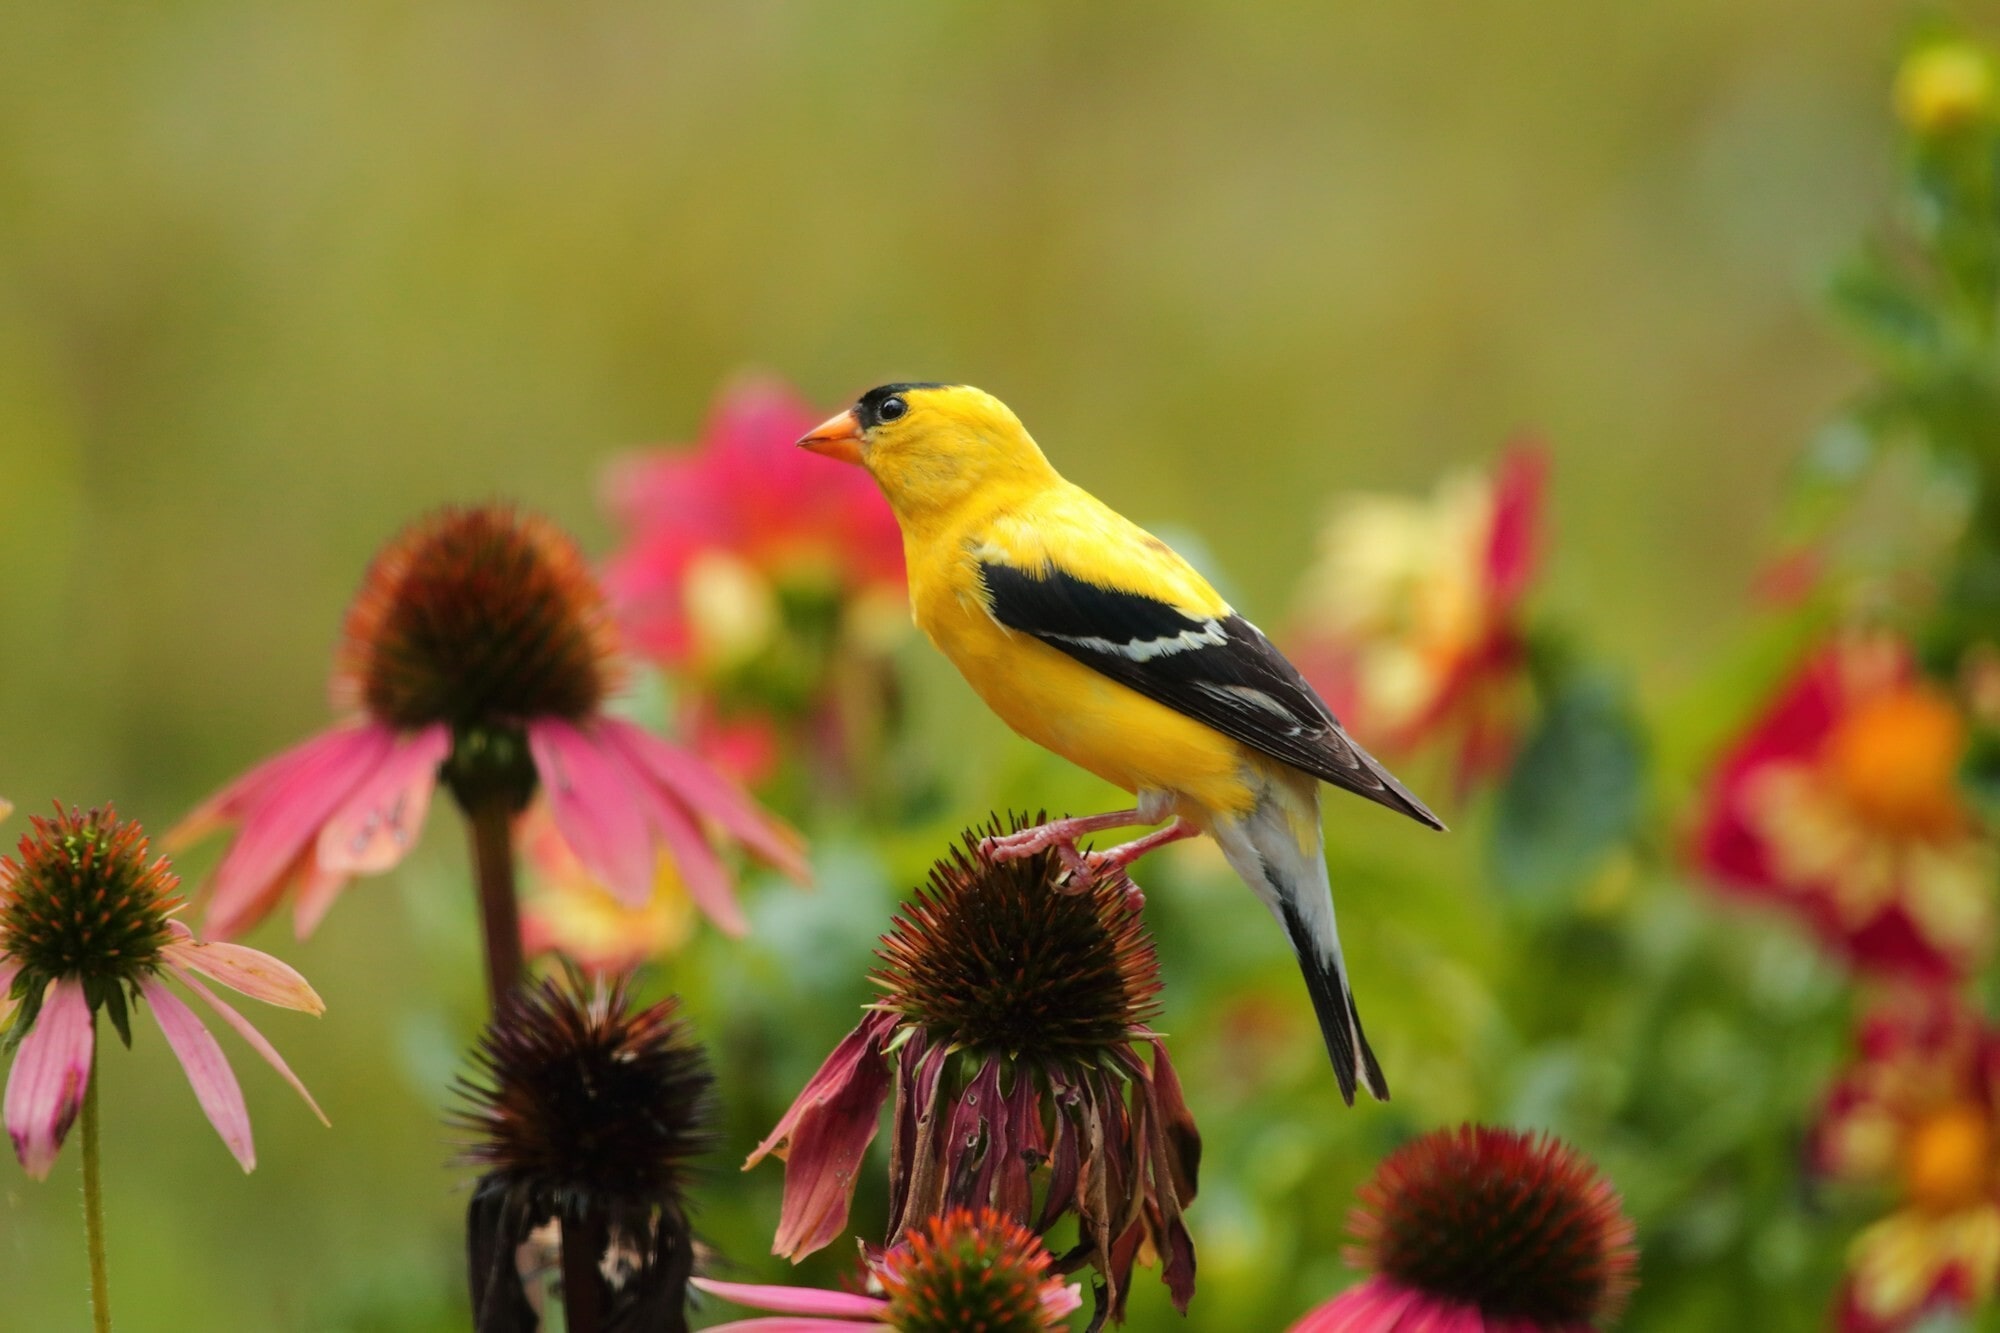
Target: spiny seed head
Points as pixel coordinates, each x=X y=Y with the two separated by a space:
x=480 y=617
x=1517 y=1224
x=84 y=900
x=1007 y=959
x=584 y=1102
x=970 y=1271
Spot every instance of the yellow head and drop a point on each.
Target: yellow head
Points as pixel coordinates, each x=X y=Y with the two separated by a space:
x=930 y=446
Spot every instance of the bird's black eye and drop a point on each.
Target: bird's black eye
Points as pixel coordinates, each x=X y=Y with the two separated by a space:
x=891 y=409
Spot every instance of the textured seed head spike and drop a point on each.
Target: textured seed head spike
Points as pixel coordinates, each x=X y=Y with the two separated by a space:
x=967 y=1271
x=1516 y=1224
x=477 y=617
x=1004 y=958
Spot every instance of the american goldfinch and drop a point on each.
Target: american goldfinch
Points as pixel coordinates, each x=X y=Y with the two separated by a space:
x=1090 y=637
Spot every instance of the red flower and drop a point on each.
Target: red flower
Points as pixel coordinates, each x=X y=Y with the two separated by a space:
x=768 y=584
x=1919 y=1113
x=1841 y=802
x=1484 y=1229
x=1411 y=622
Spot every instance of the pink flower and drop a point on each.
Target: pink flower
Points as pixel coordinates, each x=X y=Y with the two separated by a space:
x=1841 y=802
x=567 y=912
x=771 y=588
x=86 y=925
x=1480 y=1230
x=963 y=1270
x=1013 y=1022
x=1918 y=1112
x=478 y=654
x=1410 y=624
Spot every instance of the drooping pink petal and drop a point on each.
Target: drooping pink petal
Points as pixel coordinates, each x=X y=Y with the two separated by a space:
x=794 y=1300
x=790 y=1323
x=378 y=823
x=284 y=818
x=1063 y=1300
x=228 y=805
x=208 y=1072
x=824 y=1152
x=713 y=796
x=596 y=808
x=250 y=1034
x=51 y=1071
x=701 y=870
x=314 y=891
x=250 y=971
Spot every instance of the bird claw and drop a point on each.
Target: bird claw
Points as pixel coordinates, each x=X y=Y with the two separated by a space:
x=1016 y=846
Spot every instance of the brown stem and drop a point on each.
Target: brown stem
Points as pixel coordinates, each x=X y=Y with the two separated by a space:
x=583 y=1244
x=491 y=822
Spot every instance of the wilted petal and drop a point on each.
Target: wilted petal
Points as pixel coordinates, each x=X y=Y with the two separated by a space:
x=793 y=1300
x=208 y=1071
x=824 y=1137
x=249 y=1033
x=378 y=824
x=709 y=793
x=250 y=971
x=1064 y=1300
x=51 y=1071
x=596 y=808
x=284 y=818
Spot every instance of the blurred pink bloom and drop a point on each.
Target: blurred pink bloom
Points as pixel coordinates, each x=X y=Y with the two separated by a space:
x=85 y=924
x=566 y=911
x=1919 y=1112
x=769 y=585
x=964 y=1270
x=1410 y=623
x=1483 y=1230
x=1841 y=802
x=478 y=653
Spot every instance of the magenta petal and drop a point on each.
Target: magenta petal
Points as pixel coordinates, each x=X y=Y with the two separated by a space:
x=827 y=1141
x=791 y=1323
x=249 y=1033
x=208 y=1072
x=279 y=821
x=794 y=1300
x=714 y=796
x=597 y=809
x=1064 y=1300
x=701 y=870
x=51 y=1071
x=378 y=823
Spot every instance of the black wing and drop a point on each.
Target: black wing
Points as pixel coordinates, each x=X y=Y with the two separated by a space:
x=1220 y=671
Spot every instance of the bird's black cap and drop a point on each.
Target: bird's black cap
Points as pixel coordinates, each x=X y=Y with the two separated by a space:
x=868 y=409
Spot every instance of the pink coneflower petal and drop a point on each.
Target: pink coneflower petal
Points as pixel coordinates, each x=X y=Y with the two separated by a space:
x=208 y=1071
x=315 y=889
x=701 y=871
x=709 y=793
x=248 y=971
x=283 y=818
x=786 y=1323
x=794 y=1300
x=228 y=805
x=250 y=1034
x=378 y=824
x=51 y=1070
x=596 y=808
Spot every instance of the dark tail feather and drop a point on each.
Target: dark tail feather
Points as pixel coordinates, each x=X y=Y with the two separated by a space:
x=1354 y=1063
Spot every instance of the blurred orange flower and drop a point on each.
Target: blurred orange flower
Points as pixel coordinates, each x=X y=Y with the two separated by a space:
x=1916 y=1113
x=568 y=911
x=1410 y=621
x=770 y=585
x=1842 y=802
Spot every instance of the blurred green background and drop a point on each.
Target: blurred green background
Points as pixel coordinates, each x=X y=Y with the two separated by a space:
x=274 y=278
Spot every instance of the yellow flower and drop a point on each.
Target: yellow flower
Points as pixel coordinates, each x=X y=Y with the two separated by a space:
x=1944 y=86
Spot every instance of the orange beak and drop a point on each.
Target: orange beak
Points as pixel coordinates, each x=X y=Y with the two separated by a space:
x=836 y=437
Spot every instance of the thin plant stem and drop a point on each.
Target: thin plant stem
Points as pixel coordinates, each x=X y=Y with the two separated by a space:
x=583 y=1241
x=93 y=1203
x=491 y=823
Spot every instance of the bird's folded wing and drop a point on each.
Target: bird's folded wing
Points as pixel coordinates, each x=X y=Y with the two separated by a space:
x=1216 y=668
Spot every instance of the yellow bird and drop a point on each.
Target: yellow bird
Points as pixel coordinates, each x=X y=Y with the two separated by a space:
x=1090 y=637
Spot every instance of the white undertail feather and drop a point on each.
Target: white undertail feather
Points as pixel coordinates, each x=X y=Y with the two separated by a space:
x=1276 y=850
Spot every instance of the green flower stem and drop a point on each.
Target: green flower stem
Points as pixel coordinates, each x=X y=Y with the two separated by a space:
x=491 y=821
x=93 y=1202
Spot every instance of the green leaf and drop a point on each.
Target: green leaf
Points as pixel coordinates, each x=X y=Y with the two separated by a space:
x=1882 y=308
x=114 y=1009
x=1574 y=792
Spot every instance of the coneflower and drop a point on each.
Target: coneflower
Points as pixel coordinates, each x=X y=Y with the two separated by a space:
x=964 y=1272
x=589 y=1114
x=1484 y=1228
x=1014 y=1013
x=480 y=653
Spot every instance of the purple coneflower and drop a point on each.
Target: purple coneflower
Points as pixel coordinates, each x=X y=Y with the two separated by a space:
x=964 y=1272
x=1014 y=1011
x=1481 y=1230
x=589 y=1114
x=479 y=653
x=86 y=926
